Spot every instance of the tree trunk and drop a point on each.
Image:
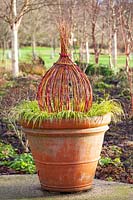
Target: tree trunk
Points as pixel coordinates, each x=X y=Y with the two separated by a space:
x=81 y=52
x=87 y=53
x=33 y=46
x=132 y=105
x=3 y=51
x=114 y=49
x=110 y=53
x=127 y=62
x=52 y=55
x=15 y=66
x=72 y=44
x=97 y=58
x=110 y=20
x=127 y=53
x=109 y=50
x=130 y=79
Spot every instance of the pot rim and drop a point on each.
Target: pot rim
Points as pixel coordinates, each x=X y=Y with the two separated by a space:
x=65 y=132
x=84 y=123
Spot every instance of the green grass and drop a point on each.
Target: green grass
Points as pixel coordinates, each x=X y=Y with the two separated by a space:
x=104 y=59
x=25 y=55
x=45 y=52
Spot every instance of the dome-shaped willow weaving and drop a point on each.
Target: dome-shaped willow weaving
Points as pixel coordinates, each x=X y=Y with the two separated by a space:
x=64 y=86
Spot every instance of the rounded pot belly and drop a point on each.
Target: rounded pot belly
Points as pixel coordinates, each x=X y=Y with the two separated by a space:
x=66 y=159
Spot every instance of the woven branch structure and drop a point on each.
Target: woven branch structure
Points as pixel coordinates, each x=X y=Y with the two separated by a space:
x=64 y=86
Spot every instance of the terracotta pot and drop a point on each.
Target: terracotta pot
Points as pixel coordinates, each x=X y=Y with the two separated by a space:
x=90 y=122
x=66 y=159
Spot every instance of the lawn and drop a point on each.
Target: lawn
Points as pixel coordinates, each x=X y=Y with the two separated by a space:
x=25 y=55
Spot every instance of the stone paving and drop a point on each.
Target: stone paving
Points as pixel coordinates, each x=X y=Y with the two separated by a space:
x=24 y=187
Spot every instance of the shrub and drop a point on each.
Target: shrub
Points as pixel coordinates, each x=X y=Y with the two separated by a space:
x=105 y=161
x=113 y=157
x=105 y=70
x=6 y=151
x=101 y=69
x=102 y=85
x=23 y=162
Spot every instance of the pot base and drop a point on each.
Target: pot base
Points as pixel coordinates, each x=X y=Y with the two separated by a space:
x=71 y=189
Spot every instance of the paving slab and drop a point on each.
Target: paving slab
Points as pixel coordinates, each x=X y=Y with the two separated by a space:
x=24 y=187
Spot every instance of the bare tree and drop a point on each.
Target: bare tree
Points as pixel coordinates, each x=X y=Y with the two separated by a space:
x=12 y=12
x=4 y=38
x=108 y=18
x=9 y=14
x=32 y=27
x=114 y=10
x=126 y=21
x=97 y=27
x=112 y=20
x=84 y=43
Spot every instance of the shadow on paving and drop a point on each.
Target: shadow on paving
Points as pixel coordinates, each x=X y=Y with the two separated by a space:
x=24 y=187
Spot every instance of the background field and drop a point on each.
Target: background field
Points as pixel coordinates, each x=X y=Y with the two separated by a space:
x=25 y=55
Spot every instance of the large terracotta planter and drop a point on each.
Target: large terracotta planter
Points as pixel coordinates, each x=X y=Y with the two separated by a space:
x=66 y=159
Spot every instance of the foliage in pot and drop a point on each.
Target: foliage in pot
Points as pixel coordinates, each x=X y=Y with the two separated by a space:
x=64 y=129
x=30 y=115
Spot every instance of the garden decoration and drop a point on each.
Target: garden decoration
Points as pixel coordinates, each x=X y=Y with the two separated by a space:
x=65 y=86
x=64 y=134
